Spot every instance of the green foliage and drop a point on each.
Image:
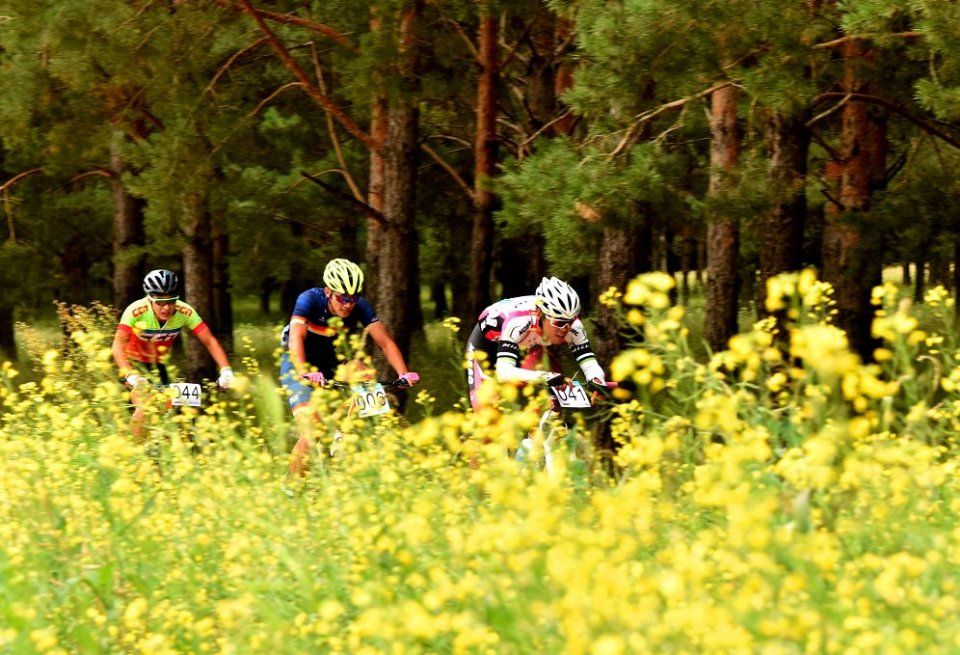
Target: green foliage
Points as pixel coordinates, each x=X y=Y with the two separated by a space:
x=568 y=194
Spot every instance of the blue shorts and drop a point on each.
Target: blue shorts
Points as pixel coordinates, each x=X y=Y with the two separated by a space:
x=298 y=392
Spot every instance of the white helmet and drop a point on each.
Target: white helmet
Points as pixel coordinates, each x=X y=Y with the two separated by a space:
x=557 y=299
x=160 y=282
x=343 y=276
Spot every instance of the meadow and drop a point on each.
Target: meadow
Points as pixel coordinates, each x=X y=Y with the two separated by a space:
x=779 y=497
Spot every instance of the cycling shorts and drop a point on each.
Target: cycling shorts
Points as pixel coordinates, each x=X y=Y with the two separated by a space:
x=298 y=391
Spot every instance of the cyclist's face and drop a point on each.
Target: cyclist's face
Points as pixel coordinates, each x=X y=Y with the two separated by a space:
x=556 y=330
x=341 y=304
x=163 y=307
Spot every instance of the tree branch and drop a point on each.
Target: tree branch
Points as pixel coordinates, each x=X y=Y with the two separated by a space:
x=897 y=109
x=824 y=114
x=96 y=172
x=369 y=211
x=308 y=86
x=860 y=37
x=445 y=165
x=332 y=129
x=8 y=206
x=289 y=19
x=234 y=57
x=266 y=101
x=642 y=119
x=543 y=128
x=19 y=176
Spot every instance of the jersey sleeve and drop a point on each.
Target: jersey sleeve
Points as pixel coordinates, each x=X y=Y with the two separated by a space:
x=305 y=305
x=191 y=317
x=583 y=353
x=132 y=315
x=365 y=312
x=508 y=352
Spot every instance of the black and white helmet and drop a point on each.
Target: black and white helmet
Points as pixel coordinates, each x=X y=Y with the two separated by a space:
x=160 y=282
x=343 y=276
x=557 y=299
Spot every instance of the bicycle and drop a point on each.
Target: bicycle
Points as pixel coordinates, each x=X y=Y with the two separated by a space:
x=557 y=422
x=366 y=400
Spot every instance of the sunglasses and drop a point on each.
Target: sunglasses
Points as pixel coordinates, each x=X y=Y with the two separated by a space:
x=346 y=299
x=165 y=301
x=561 y=323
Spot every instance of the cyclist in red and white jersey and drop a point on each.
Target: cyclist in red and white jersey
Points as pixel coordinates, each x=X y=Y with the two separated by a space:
x=525 y=326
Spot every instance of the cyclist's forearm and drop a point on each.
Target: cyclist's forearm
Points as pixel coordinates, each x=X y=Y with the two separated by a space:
x=394 y=357
x=120 y=357
x=592 y=370
x=508 y=371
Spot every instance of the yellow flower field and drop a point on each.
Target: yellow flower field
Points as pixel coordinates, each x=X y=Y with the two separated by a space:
x=783 y=497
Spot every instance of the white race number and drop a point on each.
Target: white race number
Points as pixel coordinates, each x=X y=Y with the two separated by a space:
x=371 y=401
x=186 y=394
x=574 y=396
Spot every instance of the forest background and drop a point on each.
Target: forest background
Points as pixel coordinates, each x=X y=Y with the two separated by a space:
x=469 y=147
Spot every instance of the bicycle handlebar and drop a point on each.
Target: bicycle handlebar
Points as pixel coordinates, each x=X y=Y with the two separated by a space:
x=397 y=383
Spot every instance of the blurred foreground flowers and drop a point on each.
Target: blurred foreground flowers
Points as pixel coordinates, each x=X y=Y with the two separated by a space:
x=783 y=497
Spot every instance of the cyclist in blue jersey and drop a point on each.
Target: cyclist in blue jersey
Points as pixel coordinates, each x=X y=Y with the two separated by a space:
x=309 y=357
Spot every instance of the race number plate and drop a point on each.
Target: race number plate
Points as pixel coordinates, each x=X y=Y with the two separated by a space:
x=574 y=396
x=186 y=394
x=371 y=401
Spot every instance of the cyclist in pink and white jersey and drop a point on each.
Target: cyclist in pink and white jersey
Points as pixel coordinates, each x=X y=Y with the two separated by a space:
x=525 y=325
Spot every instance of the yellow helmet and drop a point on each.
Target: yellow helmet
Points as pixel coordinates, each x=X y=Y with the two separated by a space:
x=343 y=276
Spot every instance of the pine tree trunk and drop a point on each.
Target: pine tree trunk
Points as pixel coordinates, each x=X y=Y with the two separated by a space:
x=222 y=300
x=616 y=264
x=485 y=156
x=398 y=294
x=128 y=233
x=851 y=249
x=378 y=130
x=8 y=345
x=905 y=267
x=781 y=235
x=198 y=280
x=956 y=270
x=723 y=232
x=919 y=280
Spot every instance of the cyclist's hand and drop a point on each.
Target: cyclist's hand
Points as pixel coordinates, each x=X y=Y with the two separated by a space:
x=557 y=380
x=410 y=378
x=315 y=377
x=226 y=377
x=602 y=387
x=133 y=380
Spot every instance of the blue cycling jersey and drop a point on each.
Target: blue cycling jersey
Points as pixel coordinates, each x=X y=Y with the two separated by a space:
x=318 y=346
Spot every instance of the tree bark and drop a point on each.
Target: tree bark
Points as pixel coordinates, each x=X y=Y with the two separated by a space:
x=8 y=345
x=222 y=300
x=616 y=264
x=851 y=248
x=919 y=280
x=781 y=234
x=128 y=232
x=956 y=270
x=378 y=129
x=198 y=280
x=398 y=293
x=723 y=231
x=485 y=158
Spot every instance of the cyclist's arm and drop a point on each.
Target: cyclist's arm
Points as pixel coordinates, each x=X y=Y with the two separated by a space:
x=507 y=369
x=583 y=353
x=119 y=351
x=298 y=355
x=389 y=347
x=213 y=347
